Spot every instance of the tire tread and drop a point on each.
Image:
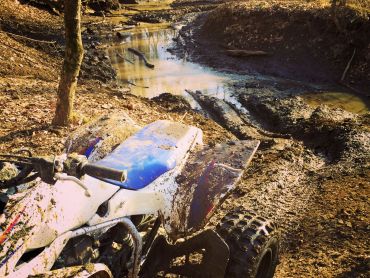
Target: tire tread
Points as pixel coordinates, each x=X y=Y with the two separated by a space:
x=246 y=234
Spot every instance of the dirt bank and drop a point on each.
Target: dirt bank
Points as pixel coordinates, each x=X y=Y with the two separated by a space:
x=300 y=39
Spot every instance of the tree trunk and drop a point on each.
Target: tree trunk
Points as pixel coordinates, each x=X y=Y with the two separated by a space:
x=72 y=62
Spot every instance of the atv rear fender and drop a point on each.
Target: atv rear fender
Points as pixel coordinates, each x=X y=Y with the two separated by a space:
x=207 y=178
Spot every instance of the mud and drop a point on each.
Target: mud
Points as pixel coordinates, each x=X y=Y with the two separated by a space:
x=289 y=176
x=335 y=133
x=224 y=114
x=288 y=179
x=110 y=129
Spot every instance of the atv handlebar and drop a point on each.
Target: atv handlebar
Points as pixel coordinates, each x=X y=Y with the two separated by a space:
x=47 y=168
x=103 y=172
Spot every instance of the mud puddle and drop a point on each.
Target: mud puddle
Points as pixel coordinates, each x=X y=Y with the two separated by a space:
x=344 y=100
x=170 y=74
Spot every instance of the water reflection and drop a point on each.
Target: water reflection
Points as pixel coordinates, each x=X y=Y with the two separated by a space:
x=170 y=74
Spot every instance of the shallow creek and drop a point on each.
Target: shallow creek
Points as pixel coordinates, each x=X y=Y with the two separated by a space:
x=173 y=75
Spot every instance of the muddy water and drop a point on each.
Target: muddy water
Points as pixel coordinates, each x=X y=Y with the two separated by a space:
x=346 y=101
x=170 y=74
x=176 y=76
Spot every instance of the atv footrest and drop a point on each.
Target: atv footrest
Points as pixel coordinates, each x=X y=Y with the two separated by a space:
x=206 y=255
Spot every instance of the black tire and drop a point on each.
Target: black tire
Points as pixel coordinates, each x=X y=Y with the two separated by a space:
x=253 y=242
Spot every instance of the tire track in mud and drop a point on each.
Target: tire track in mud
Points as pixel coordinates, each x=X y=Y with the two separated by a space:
x=277 y=187
x=281 y=178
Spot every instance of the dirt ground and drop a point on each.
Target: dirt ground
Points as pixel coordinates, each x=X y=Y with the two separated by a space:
x=314 y=182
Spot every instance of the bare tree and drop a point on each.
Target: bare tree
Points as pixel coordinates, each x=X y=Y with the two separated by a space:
x=72 y=62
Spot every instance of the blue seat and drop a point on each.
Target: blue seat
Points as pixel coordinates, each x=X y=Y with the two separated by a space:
x=151 y=152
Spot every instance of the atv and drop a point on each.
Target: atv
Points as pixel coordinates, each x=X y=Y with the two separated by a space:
x=140 y=210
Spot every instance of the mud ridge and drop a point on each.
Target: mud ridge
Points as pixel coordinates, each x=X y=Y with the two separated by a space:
x=222 y=113
x=335 y=133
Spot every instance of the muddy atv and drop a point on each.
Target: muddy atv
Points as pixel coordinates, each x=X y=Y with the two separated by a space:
x=137 y=208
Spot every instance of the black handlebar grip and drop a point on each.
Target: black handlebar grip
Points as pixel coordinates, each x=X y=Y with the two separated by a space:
x=104 y=172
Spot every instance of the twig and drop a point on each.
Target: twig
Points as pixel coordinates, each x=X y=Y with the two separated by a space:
x=183 y=117
x=348 y=65
x=119 y=55
x=113 y=15
x=122 y=28
x=142 y=56
x=246 y=53
x=132 y=9
x=133 y=84
x=96 y=22
x=23 y=37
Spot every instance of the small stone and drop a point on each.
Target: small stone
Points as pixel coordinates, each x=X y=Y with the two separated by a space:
x=106 y=106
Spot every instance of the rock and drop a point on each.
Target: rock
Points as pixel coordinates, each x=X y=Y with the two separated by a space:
x=7 y=171
x=106 y=106
x=129 y=106
x=122 y=35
